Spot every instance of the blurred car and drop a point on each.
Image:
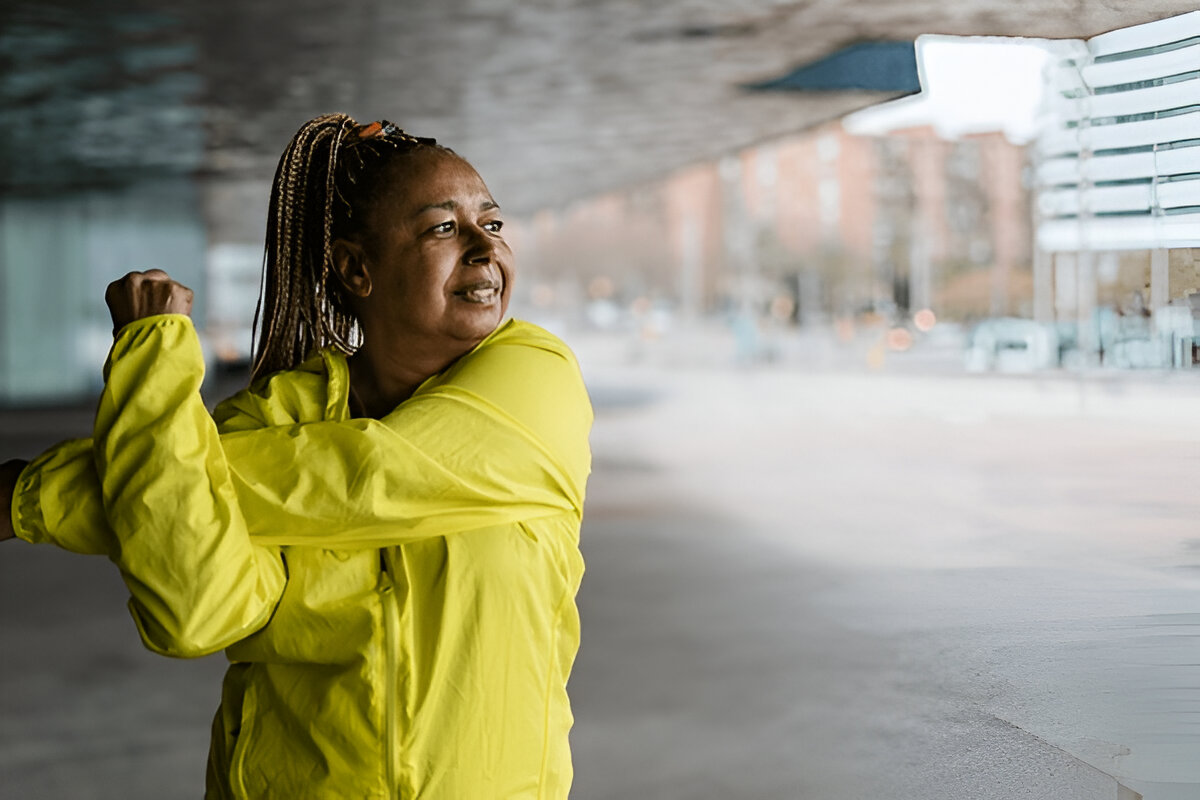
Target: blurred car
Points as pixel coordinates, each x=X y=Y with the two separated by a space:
x=1011 y=344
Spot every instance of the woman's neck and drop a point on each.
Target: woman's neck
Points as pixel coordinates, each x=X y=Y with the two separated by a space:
x=383 y=378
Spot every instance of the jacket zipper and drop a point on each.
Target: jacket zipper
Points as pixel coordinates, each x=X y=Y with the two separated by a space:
x=391 y=620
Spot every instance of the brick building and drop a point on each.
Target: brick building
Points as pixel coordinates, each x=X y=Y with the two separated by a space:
x=823 y=223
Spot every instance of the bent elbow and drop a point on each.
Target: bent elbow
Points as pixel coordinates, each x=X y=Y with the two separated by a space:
x=209 y=611
x=168 y=639
x=193 y=636
x=179 y=647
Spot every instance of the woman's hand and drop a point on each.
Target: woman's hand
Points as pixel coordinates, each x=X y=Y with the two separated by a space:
x=145 y=294
x=9 y=472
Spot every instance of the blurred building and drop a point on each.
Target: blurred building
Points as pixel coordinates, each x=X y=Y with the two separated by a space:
x=1118 y=195
x=1090 y=231
x=814 y=226
x=145 y=135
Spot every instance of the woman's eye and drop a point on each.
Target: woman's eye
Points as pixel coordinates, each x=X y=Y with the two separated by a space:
x=445 y=227
x=494 y=226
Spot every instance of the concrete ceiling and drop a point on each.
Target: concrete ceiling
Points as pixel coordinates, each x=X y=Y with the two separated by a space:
x=551 y=99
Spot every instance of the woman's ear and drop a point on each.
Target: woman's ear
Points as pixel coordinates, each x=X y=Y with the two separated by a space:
x=350 y=267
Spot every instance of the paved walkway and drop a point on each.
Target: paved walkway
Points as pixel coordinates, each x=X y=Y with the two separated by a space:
x=799 y=586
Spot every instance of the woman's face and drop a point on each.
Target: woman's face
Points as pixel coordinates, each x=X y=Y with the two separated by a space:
x=436 y=263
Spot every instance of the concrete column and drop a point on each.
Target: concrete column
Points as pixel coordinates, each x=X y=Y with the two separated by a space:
x=1160 y=279
x=690 y=268
x=1066 y=286
x=1043 y=286
x=1160 y=296
x=1089 y=337
x=920 y=286
x=738 y=234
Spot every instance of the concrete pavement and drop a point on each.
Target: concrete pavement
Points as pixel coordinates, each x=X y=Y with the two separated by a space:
x=800 y=585
x=1013 y=559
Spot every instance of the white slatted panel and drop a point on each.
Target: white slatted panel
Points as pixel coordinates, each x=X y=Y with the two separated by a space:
x=1178 y=194
x=1177 y=162
x=1102 y=200
x=1158 y=65
x=1121 y=199
x=1142 y=37
x=1120 y=233
x=1147 y=100
x=1057 y=171
x=1141 y=133
x=1124 y=109
x=1127 y=166
x=1144 y=132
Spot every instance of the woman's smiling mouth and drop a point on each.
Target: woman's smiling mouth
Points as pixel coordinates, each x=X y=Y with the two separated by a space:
x=481 y=292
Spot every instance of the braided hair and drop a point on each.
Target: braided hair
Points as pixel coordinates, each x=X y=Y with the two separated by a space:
x=327 y=179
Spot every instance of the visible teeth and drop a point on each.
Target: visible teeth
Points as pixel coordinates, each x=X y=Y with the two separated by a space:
x=481 y=295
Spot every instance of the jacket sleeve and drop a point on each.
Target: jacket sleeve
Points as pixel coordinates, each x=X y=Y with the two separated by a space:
x=57 y=501
x=196 y=581
x=501 y=438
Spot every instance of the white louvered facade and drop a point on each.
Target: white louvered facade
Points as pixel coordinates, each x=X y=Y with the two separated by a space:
x=1118 y=164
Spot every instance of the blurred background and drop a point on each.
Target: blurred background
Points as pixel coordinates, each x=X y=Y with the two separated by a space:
x=889 y=312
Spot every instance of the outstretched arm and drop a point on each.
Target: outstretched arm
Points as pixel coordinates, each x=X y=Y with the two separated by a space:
x=500 y=437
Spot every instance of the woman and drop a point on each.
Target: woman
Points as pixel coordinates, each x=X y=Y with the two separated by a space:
x=382 y=531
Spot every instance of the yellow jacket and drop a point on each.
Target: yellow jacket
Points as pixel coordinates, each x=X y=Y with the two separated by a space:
x=396 y=596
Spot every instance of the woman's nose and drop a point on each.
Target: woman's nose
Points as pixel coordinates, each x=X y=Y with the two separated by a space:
x=481 y=250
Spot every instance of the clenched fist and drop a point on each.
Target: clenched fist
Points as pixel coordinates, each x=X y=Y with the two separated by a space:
x=144 y=294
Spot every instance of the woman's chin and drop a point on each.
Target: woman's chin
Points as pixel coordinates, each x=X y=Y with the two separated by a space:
x=477 y=320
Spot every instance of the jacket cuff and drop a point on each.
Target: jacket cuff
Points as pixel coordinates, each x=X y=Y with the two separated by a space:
x=27 y=520
x=177 y=326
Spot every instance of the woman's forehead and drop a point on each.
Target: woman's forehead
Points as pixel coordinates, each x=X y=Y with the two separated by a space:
x=434 y=178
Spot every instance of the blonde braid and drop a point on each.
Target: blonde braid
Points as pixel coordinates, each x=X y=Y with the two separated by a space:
x=294 y=300
x=297 y=310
